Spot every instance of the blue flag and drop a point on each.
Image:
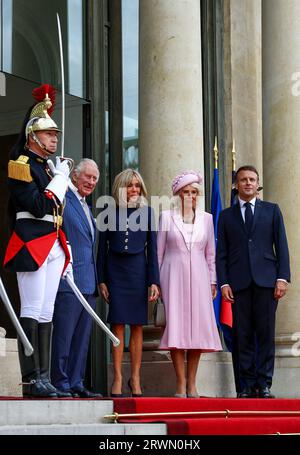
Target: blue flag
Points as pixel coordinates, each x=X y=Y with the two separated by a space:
x=216 y=207
x=216 y=204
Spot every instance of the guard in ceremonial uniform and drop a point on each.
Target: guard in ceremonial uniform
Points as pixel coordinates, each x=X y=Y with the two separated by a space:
x=37 y=250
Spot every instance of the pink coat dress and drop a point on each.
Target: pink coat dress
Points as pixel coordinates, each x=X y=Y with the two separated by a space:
x=187 y=270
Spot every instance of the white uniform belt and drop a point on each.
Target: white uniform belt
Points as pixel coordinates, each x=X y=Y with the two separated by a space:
x=29 y=216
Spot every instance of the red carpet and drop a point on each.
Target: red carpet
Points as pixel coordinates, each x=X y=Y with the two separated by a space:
x=241 y=423
x=246 y=418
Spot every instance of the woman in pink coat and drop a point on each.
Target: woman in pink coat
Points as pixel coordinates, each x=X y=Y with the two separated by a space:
x=186 y=256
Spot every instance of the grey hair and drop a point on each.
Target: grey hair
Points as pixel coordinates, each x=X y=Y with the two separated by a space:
x=82 y=164
x=176 y=201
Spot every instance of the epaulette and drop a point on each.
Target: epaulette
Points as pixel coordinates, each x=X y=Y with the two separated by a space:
x=19 y=169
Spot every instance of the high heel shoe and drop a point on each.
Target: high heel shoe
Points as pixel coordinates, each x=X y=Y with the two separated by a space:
x=135 y=395
x=116 y=395
x=180 y=395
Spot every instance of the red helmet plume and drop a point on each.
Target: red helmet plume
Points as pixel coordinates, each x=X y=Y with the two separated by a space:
x=39 y=95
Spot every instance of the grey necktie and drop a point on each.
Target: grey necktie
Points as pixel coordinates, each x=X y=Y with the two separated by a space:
x=87 y=214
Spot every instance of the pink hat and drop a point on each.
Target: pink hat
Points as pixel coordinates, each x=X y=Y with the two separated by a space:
x=185 y=178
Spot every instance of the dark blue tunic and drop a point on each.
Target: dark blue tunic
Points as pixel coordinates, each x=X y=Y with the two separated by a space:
x=127 y=263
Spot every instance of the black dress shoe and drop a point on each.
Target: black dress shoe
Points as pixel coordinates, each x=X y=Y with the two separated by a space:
x=116 y=395
x=85 y=393
x=247 y=393
x=265 y=393
x=59 y=393
x=64 y=393
x=36 y=389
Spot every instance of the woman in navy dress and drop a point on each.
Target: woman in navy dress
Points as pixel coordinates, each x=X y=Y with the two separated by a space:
x=127 y=265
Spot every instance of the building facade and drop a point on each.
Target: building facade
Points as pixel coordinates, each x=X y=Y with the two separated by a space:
x=150 y=84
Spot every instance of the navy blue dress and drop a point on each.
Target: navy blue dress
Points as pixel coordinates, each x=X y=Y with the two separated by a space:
x=127 y=263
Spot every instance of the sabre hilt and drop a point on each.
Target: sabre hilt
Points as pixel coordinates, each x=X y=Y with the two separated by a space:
x=70 y=162
x=52 y=167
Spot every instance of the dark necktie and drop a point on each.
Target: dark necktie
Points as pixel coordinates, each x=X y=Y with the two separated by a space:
x=248 y=216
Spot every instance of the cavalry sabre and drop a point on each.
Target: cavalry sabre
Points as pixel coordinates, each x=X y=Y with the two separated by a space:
x=28 y=349
x=61 y=54
x=90 y=310
x=63 y=99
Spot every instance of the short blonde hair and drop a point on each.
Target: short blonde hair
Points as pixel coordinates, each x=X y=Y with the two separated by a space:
x=121 y=182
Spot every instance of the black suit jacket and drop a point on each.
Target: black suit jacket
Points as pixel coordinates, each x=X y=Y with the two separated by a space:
x=262 y=256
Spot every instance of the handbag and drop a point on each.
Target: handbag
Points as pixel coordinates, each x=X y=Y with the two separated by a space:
x=159 y=313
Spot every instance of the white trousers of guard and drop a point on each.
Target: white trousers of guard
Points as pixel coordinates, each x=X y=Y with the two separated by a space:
x=38 y=289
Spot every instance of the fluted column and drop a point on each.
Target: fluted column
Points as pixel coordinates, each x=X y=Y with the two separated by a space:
x=242 y=61
x=281 y=120
x=170 y=109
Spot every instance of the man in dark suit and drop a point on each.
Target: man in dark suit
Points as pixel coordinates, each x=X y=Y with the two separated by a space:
x=253 y=271
x=72 y=324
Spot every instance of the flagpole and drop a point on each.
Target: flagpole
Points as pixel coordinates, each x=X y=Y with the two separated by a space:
x=233 y=152
x=216 y=153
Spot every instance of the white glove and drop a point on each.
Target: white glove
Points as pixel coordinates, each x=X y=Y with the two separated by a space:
x=69 y=268
x=61 y=167
x=59 y=184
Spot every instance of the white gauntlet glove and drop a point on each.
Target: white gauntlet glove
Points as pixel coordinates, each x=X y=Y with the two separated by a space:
x=61 y=168
x=59 y=184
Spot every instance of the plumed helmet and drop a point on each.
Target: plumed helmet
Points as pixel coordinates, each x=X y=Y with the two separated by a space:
x=40 y=119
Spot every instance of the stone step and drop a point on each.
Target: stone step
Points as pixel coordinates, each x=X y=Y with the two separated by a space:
x=86 y=429
x=53 y=412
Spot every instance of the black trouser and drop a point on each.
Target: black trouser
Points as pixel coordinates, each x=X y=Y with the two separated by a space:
x=254 y=311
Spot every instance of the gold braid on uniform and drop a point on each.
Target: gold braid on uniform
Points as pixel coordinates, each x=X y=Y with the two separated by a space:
x=58 y=211
x=19 y=169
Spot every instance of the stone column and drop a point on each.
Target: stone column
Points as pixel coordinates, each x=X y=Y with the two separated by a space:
x=281 y=120
x=243 y=85
x=170 y=118
x=170 y=109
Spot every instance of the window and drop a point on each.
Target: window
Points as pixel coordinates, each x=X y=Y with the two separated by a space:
x=130 y=35
x=29 y=44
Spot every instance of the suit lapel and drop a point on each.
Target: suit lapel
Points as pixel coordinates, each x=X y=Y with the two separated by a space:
x=257 y=212
x=179 y=223
x=79 y=209
x=198 y=226
x=238 y=215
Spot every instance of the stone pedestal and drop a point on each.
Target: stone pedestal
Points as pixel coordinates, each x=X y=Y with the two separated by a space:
x=10 y=376
x=281 y=117
x=214 y=377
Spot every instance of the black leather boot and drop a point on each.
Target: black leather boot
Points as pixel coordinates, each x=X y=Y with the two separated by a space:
x=45 y=336
x=30 y=365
